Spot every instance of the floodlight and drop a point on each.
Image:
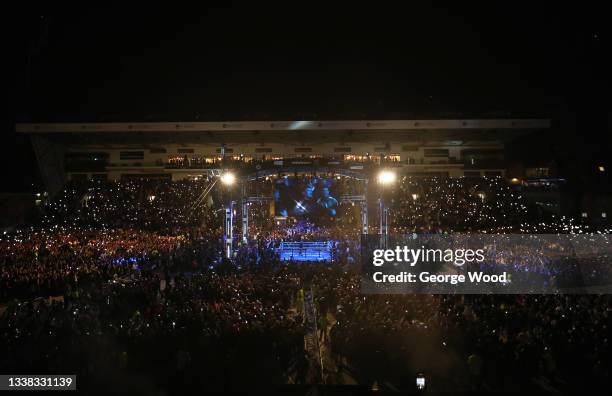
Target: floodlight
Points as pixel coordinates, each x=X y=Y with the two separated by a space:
x=228 y=178
x=386 y=177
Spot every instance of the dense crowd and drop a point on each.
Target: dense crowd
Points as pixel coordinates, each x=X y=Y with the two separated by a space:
x=157 y=205
x=46 y=262
x=209 y=328
x=458 y=205
x=128 y=281
x=492 y=342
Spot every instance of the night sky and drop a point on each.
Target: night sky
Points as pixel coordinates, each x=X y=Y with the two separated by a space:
x=311 y=63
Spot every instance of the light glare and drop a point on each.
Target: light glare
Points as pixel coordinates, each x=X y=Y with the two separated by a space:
x=228 y=178
x=386 y=177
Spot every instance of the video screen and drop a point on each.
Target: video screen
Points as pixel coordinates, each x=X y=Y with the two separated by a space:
x=310 y=198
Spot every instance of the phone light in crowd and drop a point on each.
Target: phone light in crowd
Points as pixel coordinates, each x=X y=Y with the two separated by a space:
x=151 y=198
x=228 y=178
x=420 y=381
x=481 y=196
x=415 y=197
x=386 y=177
x=601 y=168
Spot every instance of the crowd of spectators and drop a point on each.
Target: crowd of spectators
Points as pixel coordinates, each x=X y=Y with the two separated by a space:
x=128 y=281
x=468 y=342
x=457 y=205
x=158 y=205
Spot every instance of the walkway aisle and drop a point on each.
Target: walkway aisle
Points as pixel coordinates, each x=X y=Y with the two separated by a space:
x=311 y=341
x=334 y=372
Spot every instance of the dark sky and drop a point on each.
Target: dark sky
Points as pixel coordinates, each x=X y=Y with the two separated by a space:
x=308 y=63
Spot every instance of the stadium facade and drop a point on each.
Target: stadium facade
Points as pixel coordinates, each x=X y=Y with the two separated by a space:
x=179 y=150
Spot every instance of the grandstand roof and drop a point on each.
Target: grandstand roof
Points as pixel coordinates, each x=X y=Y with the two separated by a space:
x=120 y=134
x=373 y=125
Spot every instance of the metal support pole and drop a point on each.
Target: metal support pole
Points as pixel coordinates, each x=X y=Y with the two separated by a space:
x=364 y=217
x=245 y=214
x=381 y=215
x=364 y=210
x=229 y=227
x=386 y=221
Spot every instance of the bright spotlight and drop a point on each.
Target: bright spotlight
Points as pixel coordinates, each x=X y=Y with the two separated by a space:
x=386 y=177
x=228 y=178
